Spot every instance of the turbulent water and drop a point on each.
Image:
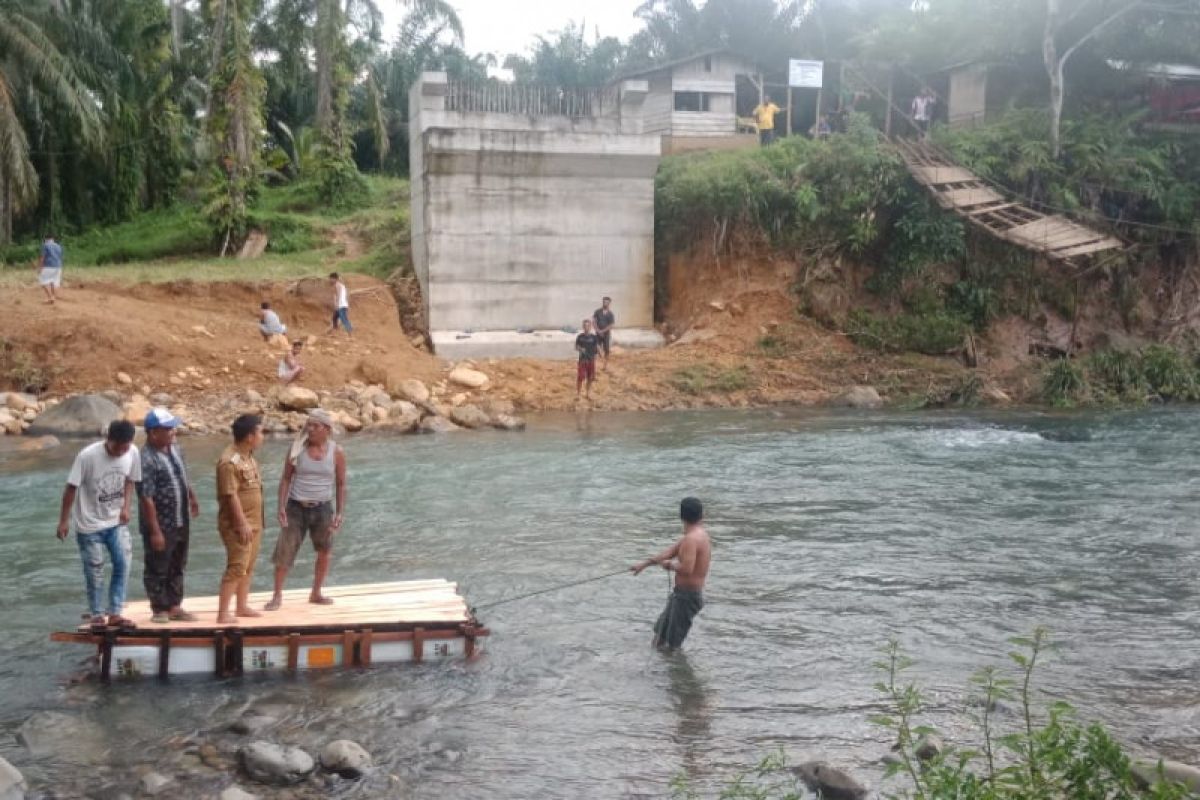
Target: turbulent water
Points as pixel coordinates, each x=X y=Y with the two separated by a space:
x=832 y=533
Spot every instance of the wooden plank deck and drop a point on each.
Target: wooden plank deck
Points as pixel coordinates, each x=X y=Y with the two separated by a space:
x=361 y=605
x=961 y=192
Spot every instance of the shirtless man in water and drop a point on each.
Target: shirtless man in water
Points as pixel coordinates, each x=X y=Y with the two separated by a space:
x=689 y=559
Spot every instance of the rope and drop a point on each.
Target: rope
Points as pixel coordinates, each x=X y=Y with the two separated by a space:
x=556 y=588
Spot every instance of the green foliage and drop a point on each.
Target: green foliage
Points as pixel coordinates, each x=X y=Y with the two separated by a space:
x=772 y=346
x=1159 y=372
x=1048 y=754
x=770 y=779
x=703 y=379
x=1109 y=168
x=816 y=195
x=933 y=332
x=339 y=183
x=1064 y=384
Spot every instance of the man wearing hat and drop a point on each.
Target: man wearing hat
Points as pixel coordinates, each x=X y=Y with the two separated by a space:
x=167 y=503
x=314 y=478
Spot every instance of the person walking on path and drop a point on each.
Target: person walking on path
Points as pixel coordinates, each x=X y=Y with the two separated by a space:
x=314 y=479
x=341 y=306
x=586 y=344
x=764 y=116
x=240 y=516
x=604 y=321
x=167 y=505
x=50 y=266
x=97 y=498
x=922 y=111
x=689 y=558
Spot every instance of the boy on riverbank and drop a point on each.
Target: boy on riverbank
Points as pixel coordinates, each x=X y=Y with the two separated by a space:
x=689 y=559
x=49 y=266
x=341 y=306
x=239 y=516
x=97 y=499
x=587 y=344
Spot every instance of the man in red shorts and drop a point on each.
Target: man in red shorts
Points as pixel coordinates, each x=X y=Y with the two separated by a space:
x=587 y=344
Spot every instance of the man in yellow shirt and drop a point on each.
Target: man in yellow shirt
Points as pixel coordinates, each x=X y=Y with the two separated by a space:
x=764 y=115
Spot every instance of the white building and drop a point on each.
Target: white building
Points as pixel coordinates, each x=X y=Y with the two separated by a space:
x=693 y=103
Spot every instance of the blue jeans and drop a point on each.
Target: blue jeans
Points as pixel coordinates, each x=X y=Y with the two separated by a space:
x=343 y=316
x=91 y=552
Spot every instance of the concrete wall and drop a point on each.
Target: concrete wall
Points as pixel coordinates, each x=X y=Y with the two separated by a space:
x=526 y=222
x=968 y=96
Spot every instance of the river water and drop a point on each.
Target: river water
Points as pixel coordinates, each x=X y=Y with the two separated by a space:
x=832 y=533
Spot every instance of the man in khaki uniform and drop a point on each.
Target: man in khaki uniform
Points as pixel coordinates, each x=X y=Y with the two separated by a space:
x=240 y=516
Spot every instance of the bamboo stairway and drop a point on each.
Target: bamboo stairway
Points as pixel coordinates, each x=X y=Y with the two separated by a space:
x=959 y=190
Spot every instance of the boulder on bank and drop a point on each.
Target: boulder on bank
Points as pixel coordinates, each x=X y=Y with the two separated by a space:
x=12 y=782
x=508 y=422
x=469 y=416
x=929 y=747
x=412 y=390
x=436 y=424
x=859 y=397
x=297 y=398
x=19 y=401
x=471 y=378
x=346 y=758
x=830 y=782
x=276 y=764
x=1147 y=773
x=80 y=415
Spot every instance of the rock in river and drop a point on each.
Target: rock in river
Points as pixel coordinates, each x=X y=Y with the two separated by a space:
x=346 y=758
x=469 y=416
x=12 y=782
x=276 y=764
x=859 y=397
x=435 y=424
x=829 y=782
x=81 y=415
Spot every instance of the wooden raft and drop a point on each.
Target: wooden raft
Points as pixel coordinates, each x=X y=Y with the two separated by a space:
x=958 y=190
x=367 y=623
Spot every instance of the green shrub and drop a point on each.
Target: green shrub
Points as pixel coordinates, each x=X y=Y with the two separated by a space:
x=1169 y=374
x=1117 y=375
x=772 y=346
x=1059 y=757
x=1064 y=384
x=933 y=332
x=702 y=379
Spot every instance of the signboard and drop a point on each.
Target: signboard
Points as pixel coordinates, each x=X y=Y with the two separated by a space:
x=805 y=74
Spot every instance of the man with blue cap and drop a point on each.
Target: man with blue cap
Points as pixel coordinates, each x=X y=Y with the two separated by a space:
x=167 y=503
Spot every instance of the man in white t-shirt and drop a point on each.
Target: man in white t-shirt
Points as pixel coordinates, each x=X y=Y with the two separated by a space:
x=97 y=500
x=922 y=111
x=341 y=306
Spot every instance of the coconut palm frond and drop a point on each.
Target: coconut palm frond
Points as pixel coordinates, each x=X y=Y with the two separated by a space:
x=15 y=165
x=45 y=65
x=377 y=119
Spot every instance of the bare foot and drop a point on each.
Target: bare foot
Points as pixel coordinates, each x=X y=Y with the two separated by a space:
x=320 y=599
x=248 y=612
x=226 y=619
x=273 y=604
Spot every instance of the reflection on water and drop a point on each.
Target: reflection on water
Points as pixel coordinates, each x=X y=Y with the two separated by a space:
x=832 y=532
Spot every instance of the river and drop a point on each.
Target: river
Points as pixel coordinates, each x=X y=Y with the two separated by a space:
x=832 y=533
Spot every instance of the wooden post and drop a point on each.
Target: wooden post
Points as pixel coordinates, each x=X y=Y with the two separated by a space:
x=887 y=120
x=347 y=648
x=106 y=648
x=235 y=652
x=219 y=653
x=788 y=129
x=819 y=106
x=418 y=641
x=164 y=654
x=364 y=647
x=293 y=651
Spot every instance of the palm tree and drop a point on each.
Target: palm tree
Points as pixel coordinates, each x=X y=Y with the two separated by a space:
x=35 y=76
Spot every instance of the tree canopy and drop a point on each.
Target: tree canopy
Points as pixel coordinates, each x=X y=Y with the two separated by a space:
x=108 y=107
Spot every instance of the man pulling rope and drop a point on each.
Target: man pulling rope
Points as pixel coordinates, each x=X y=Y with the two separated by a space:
x=689 y=559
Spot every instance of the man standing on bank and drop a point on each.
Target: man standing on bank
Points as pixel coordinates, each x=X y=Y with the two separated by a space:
x=97 y=497
x=167 y=504
x=689 y=559
x=240 y=518
x=604 y=320
x=314 y=477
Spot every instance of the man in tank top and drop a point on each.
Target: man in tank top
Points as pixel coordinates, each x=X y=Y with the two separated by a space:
x=314 y=479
